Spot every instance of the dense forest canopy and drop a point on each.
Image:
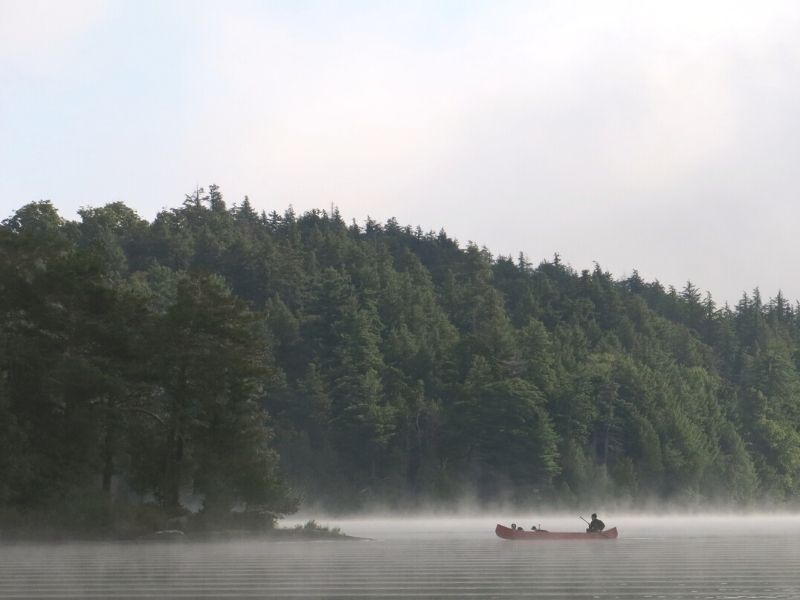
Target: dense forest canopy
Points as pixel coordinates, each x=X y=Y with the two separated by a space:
x=246 y=360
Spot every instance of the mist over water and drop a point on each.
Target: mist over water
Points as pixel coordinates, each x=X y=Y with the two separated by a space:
x=723 y=557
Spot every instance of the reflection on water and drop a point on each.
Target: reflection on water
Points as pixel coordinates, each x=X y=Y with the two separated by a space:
x=433 y=558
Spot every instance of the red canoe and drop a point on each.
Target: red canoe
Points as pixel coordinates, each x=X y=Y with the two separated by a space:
x=510 y=534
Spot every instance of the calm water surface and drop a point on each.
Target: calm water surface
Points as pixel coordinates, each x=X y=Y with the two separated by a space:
x=436 y=558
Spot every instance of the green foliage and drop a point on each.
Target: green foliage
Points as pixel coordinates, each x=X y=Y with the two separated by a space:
x=247 y=360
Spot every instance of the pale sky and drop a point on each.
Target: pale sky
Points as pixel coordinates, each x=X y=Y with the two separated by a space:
x=658 y=136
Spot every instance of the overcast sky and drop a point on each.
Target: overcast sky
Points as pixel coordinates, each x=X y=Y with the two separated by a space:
x=658 y=136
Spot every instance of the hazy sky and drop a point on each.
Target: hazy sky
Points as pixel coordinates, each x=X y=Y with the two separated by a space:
x=658 y=136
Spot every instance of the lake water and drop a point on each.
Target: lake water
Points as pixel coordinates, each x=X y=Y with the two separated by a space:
x=676 y=557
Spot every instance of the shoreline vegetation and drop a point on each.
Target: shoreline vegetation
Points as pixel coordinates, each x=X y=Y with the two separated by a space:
x=188 y=528
x=255 y=362
x=309 y=531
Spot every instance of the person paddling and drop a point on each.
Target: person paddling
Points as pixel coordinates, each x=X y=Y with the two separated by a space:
x=596 y=526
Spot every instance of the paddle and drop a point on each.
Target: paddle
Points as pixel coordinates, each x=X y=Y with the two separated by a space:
x=587 y=522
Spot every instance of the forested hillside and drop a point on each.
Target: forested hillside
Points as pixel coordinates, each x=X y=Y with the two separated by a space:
x=248 y=359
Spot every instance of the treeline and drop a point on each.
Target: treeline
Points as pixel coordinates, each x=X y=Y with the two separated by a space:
x=220 y=354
